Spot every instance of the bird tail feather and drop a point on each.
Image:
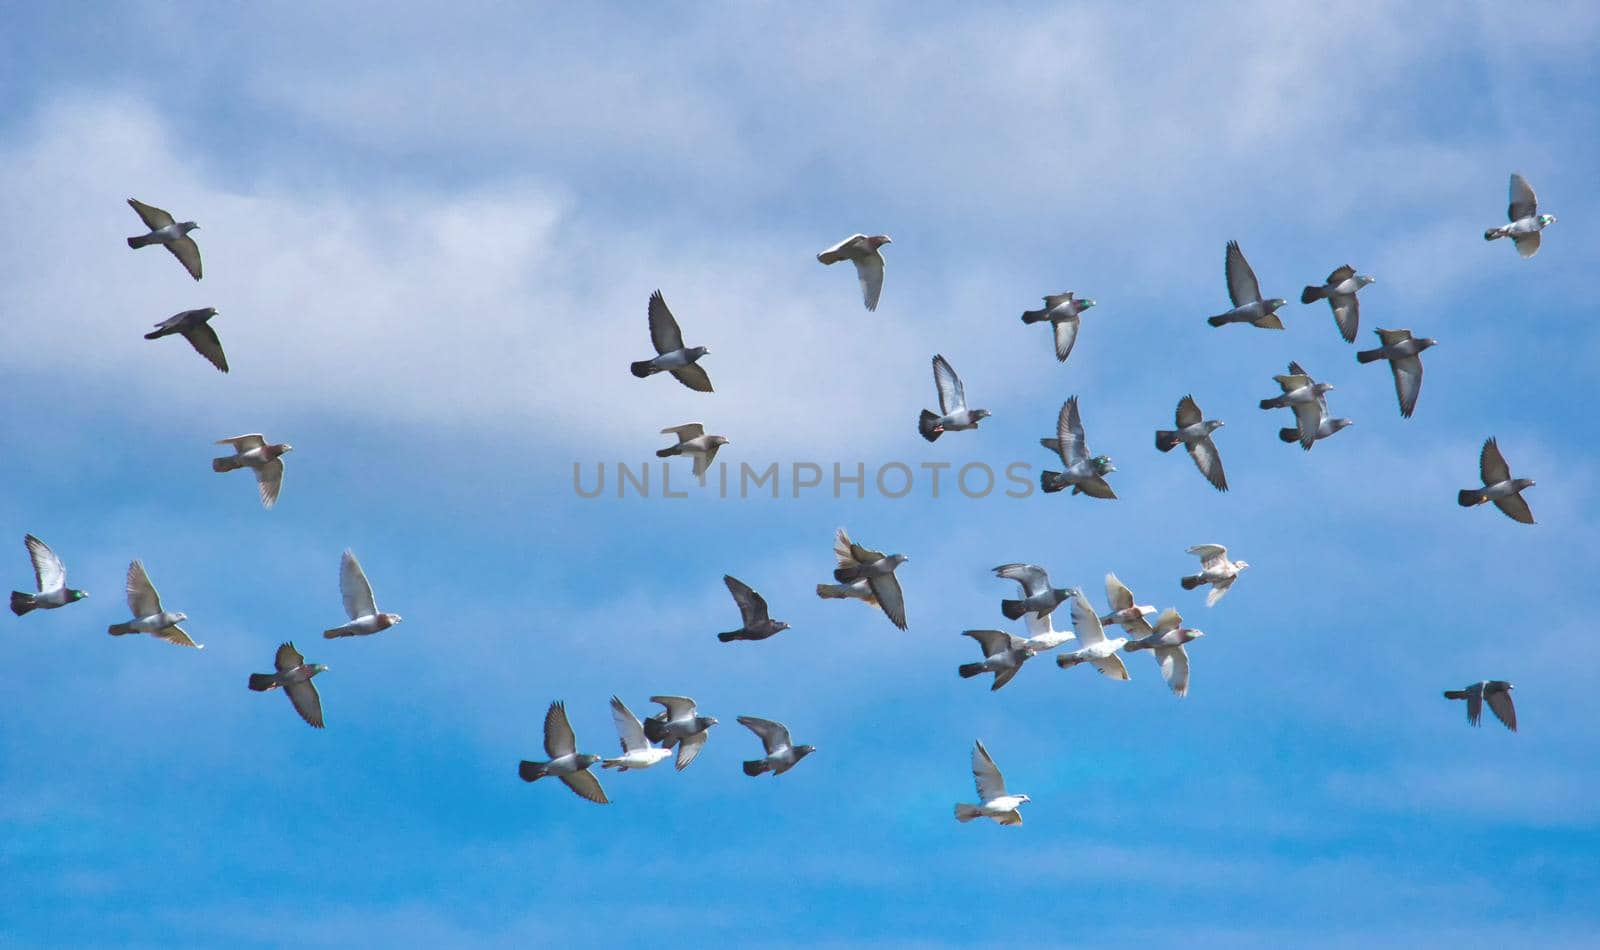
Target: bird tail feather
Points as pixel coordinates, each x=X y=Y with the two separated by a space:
x=531 y=771
x=1013 y=609
x=1455 y=694
x=1166 y=440
x=1488 y=235
x=1289 y=435
x=831 y=591
x=1219 y=320
x=1276 y=402
x=1035 y=316
x=653 y=729
x=1052 y=481
x=141 y=240
x=1312 y=293
x=733 y=635
x=928 y=425
x=641 y=368
x=261 y=682
x=756 y=767
x=667 y=452
x=21 y=603
x=969 y=670
x=337 y=632
x=225 y=464
x=119 y=629
x=965 y=813
x=1368 y=356
x=1469 y=497
x=1192 y=581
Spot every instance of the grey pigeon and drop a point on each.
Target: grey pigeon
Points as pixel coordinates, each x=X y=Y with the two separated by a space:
x=1308 y=399
x=168 y=233
x=1497 y=692
x=755 y=624
x=1215 y=569
x=1498 y=486
x=681 y=724
x=1194 y=432
x=953 y=414
x=1003 y=655
x=671 y=355
x=863 y=251
x=1085 y=474
x=1038 y=597
x=782 y=754
x=50 y=576
x=1166 y=642
x=1526 y=221
x=1063 y=312
x=265 y=459
x=693 y=442
x=194 y=326
x=1403 y=351
x=1340 y=292
x=857 y=589
x=1306 y=431
x=993 y=799
x=148 y=615
x=1123 y=609
x=565 y=761
x=294 y=675
x=359 y=605
x=857 y=564
x=1245 y=292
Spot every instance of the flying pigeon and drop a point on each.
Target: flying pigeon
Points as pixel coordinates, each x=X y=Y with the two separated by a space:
x=680 y=723
x=565 y=762
x=1498 y=486
x=637 y=752
x=1526 y=221
x=1497 y=692
x=169 y=233
x=1003 y=655
x=194 y=326
x=1307 y=398
x=1123 y=610
x=953 y=414
x=1042 y=633
x=782 y=754
x=672 y=356
x=857 y=564
x=693 y=442
x=1063 y=312
x=1245 y=292
x=1215 y=569
x=1314 y=431
x=50 y=576
x=864 y=252
x=1166 y=640
x=1340 y=292
x=1086 y=475
x=1038 y=597
x=294 y=675
x=1194 y=432
x=994 y=801
x=148 y=617
x=755 y=623
x=1097 y=649
x=1402 y=350
x=358 y=603
x=253 y=451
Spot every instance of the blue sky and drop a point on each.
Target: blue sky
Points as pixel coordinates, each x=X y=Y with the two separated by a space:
x=430 y=240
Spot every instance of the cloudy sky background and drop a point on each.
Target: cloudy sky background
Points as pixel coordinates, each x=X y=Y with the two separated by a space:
x=430 y=240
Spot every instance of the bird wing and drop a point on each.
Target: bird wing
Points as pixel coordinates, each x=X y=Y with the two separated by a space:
x=835 y=254
x=1500 y=705
x=48 y=572
x=1523 y=202
x=685 y=432
x=1188 y=413
x=693 y=376
x=1407 y=382
x=1085 y=623
x=1174 y=668
x=1347 y=315
x=354 y=588
x=629 y=729
x=774 y=735
x=1042 y=630
x=1117 y=593
x=1475 y=704
x=142 y=597
x=886 y=589
x=1111 y=666
x=843 y=549
x=664 y=332
x=1002 y=677
x=703 y=460
x=952 y=395
x=287 y=658
x=869 y=271
x=1066 y=330
x=1169 y=620
x=678 y=707
x=205 y=342
x=1209 y=554
x=1308 y=420
x=1033 y=578
x=244 y=443
x=1527 y=244
x=991 y=784
x=689 y=748
x=1391 y=337
x=177 y=636
x=1069 y=434
x=154 y=218
x=586 y=785
x=188 y=254
x=1516 y=507
x=558 y=737
x=1340 y=275
x=1218 y=589
x=307 y=702
x=1492 y=465
x=1298 y=370
x=752 y=606
x=1209 y=462
x=269 y=481
x=1242 y=286
x=995 y=642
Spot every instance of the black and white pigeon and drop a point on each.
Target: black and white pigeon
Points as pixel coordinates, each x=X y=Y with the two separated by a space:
x=755 y=624
x=858 y=564
x=637 y=752
x=1063 y=312
x=1084 y=473
x=1038 y=597
x=782 y=754
x=565 y=762
x=148 y=614
x=993 y=799
x=49 y=576
x=1166 y=642
x=671 y=355
x=1124 y=610
x=172 y=235
x=293 y=674
x=1498 y=485
x=1403 y=351
x=1526 y=221
x=863 y=251
x=1245 y=292
x=194 y=326
x=693 y=442
x=1340 y=292
x=679 y=723
x=1194 y=432
x=1497 y=692
x=953 y=414
x=1003 y=655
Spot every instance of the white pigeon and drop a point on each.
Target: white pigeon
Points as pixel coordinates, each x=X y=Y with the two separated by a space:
x=1526 y=221
x=359 y=606
x=994 y=801
x=1097 y=648
x=1042 y=633
x=1165 y=640
x=148 y=616
x=694 y=443
x=862 y=251
x=637 y=752
x=1123 y=610
x=1215 y=569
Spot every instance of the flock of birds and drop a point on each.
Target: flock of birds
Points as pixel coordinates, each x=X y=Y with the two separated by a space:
x=861 y=573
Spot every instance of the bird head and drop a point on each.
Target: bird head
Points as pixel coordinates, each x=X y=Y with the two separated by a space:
x=1322 y=388
x=1337 y=424
x=1363 y=280
x=179 y=617
x=1426 y=342
x=778 y=625
x=1102 y=464
x=1213 y=425
x=695 y=352
x=706 y=722
x=584 y=761
x=1188 y=633
x=1546 y=219
x=978 y=414
x=1023 y=799
x=392 y=618
x=881 y=240
x=78 y=594
x=284 y=447
x=1276 y=302
x=1240 y=565
x=1085 y=304
x=801 y=751
x=898 y=559
x=188 y=226
x=318 y=668
x=718 y=440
